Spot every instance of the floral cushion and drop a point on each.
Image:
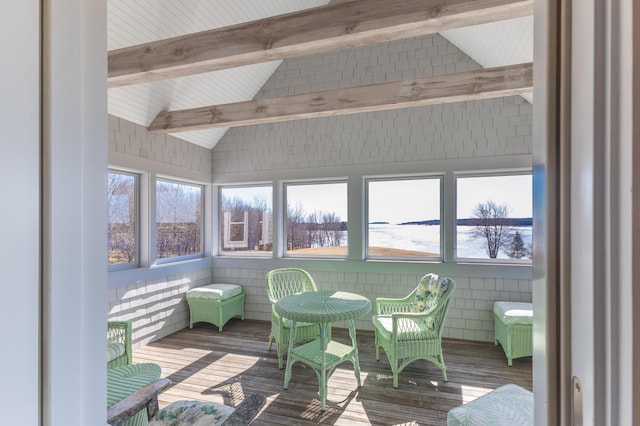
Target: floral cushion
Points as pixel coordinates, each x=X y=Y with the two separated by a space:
x=193 y=413
x=429 y=292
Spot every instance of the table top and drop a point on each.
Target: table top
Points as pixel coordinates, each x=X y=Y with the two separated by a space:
x=323 y=306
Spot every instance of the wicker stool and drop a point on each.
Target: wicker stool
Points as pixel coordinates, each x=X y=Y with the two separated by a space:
x=514 y=328
x=507 y=405
x=215 y=304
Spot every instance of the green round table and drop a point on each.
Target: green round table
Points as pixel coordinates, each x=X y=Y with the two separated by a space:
x=323 y=354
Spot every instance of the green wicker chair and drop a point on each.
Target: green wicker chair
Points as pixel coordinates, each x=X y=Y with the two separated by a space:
x=410 y=328
x=118 y=343
x=280 y=283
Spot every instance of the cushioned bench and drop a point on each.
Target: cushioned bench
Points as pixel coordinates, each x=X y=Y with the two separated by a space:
x=215 y=304
x=513 y=322
x=507 y=405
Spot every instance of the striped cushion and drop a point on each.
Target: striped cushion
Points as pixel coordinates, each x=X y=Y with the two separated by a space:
x=124 y=380
x=114 y=350
x=508 y=405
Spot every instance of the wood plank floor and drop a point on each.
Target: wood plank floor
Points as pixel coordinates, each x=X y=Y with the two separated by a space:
x=206 y=365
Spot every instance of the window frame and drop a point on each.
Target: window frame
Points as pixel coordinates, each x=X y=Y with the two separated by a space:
x=396 y=178
x=153 y=220
x=284 y=222
x=137 y=216
x=485 y=174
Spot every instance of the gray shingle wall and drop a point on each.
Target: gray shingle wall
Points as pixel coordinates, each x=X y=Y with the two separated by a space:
x=133 y=140
x=487 y=128
x=473 y=129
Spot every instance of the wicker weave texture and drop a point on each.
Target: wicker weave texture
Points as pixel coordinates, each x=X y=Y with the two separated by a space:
x=407 y=336
x=280 y=283
x=516 y=339
x=120 y=332
x=215 y=311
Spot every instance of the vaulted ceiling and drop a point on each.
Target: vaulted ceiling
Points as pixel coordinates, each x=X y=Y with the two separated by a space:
x=198 y=85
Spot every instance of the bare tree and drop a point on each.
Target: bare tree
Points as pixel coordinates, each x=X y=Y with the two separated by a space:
x=296 y=228
x=121 y=213
x=178 y=219
x=489 y=224
x=332 y=229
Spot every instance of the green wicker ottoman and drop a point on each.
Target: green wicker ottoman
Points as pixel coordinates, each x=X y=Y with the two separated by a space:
x=507 y=405
x=514 y=328
x=124 y=380
x=215 y=304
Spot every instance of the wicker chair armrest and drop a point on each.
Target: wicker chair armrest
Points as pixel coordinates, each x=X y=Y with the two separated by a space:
x=146 y=397
x=248 y=409
x=387 y=305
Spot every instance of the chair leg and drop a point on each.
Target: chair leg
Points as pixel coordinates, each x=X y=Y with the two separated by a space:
x=281 y=352
x=271 y=337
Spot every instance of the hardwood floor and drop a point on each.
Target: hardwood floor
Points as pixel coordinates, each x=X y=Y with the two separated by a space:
x=206 y=365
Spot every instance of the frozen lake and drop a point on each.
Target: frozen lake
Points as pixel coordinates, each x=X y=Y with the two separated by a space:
x=426 y=238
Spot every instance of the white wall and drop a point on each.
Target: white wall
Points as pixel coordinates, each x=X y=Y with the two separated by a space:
x=19 y=191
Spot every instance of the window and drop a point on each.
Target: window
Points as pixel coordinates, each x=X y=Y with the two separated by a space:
x=403 y=218
x=316 y=219
x=178 y=219
x=122 y=205
x=246 y=220
x=494 y=217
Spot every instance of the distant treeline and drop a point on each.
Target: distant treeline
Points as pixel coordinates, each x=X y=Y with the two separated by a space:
x=507 y=221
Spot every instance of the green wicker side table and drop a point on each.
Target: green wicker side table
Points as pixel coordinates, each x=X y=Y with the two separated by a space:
x=215 y=304
x=323 y=354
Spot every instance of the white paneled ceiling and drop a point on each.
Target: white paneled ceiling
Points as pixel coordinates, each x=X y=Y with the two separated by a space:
x=498 y=43
x=135 y=22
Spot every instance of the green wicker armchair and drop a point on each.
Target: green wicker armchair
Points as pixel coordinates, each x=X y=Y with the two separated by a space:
x=118 y=343
x=280 y=283
x=410 y=328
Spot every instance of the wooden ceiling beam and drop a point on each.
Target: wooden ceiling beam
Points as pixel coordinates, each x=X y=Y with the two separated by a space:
x=457 y=87
x=339 y=25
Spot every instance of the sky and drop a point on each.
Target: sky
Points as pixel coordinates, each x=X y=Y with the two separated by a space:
x=406 y=200
x=326 y=198
x=515 y=191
